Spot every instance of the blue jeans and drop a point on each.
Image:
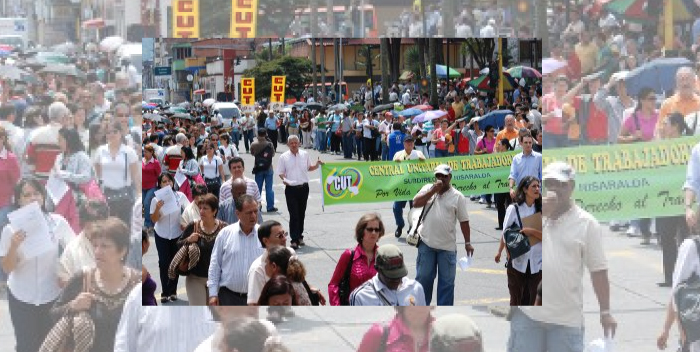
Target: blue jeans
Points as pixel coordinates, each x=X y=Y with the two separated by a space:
x=398 y=213
x=359 y=141
x=266 y=177
x=235 y=138
x=385 y=151
x=439 y=153
x=321 y=140
x=527 y=335
x=486 y=198
x=443 y=264
x=146 y=196
x=248 y=139
x=348 y=145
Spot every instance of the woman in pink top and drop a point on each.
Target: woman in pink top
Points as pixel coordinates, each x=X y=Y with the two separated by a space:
x=9 y=176
x=409 y=331
x=485 y=144
x=367 y=232
x=640 y=125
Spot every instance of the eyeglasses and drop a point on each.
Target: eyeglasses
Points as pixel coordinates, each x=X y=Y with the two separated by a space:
x=373 y=229
x=282 y=235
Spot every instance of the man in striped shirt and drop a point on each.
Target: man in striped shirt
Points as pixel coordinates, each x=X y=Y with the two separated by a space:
x=235 y=249
x=237 y=167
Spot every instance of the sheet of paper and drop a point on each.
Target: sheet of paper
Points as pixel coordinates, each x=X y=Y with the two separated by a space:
x=534 y=221
x=465 y=263
x=170 y=202
x=32 y=221
x=180 y=178
x=56 y=188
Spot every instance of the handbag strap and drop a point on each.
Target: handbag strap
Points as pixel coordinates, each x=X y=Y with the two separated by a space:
x=381 y=296
x=346 y=275
x=517 y=212
x=424 y=213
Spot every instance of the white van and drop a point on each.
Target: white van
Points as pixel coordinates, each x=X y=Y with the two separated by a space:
x=228 y=112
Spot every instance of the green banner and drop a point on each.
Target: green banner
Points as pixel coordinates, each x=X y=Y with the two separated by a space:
x=388 y=181
x=629 y=181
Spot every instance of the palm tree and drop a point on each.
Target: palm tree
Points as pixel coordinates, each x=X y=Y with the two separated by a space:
x=412 y=58
x=432 y=50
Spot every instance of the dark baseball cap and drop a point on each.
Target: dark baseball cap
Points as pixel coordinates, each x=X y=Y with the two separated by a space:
x=408 y=138
x=390 y=262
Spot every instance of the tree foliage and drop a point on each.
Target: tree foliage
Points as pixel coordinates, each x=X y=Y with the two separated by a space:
x=481 y=49
x=297 y=70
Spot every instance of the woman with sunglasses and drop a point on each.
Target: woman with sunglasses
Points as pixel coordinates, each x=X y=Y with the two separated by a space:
x=116 y=165
x=360 y=260
x=212 y=168
x=203 y=233
x=639 y=126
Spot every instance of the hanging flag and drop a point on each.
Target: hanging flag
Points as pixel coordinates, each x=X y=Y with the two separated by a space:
x=244 y=18
x=185 y=18
x=277 y=92
x=248 y=95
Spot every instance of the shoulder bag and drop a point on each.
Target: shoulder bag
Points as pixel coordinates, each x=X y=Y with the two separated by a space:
x=687 y=296
x=414 y=238
x=517 y=243
x=344 y=285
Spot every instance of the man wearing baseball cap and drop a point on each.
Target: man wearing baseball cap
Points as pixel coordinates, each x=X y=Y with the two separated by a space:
x=408 y=153
x=455 y=333
x=391 y=286
x=437 y=250
x=578 y=243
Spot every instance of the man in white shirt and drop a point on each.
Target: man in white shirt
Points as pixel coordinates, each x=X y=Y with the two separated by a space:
x=237 y=168
x=406 y=97
x=293 y=167
x=408 y=153
x=390 y=287
x=235 y=249
x=160 y=328
x=437 y=251
x=560 y=320
x=271 y=233
x=385 y=129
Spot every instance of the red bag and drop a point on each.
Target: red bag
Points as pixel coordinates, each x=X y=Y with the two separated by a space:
x=198 y=179
x=92 y=191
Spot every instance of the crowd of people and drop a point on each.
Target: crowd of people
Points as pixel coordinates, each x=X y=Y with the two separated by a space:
x=69 y=204
x=215 y=210
x=592 y=100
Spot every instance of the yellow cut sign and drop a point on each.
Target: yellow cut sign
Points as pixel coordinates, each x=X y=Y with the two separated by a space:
x=277 y=94
x=185 y=18
x=248 y=94
x=244 y=17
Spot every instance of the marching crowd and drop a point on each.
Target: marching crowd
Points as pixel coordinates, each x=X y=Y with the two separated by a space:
x=599 y=94
x=69 y=204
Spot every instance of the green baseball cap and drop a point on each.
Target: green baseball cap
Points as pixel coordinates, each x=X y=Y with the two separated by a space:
x=390 y=262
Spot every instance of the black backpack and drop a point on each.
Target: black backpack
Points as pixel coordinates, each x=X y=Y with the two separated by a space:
x=263 y=160
x=687 y=295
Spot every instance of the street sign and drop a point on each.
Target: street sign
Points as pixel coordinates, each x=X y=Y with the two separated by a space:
x=162 y=71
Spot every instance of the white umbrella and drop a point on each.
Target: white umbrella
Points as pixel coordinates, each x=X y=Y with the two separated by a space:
x=429 y=116
x=550 y=66
x=111 y=43
x=209 y=102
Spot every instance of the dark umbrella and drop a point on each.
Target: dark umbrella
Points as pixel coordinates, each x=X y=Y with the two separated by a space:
x=383 y=107
x=659 y=75
x=183 y=116
x=153 y=117
x=494 y=118
x=299 y=104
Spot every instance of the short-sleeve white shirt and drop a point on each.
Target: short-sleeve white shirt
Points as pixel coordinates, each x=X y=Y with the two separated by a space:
x=439 y=224
x=115 y=171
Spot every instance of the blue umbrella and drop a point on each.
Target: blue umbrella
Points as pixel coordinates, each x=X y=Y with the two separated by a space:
x=146 y=106
x=494 y=118
x=659 y=75
x=410 y=112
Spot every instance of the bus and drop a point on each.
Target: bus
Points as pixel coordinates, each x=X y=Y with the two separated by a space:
x=329 y=86
x=344 y=21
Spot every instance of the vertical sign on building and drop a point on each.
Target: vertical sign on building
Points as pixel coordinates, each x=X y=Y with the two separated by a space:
x=248 y=95
x=186 y=18
x=244 y=17
x=277 y=92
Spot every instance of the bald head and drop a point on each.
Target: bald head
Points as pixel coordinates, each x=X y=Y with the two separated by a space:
x=238 y=187
x=510 y=122
x=685 y=80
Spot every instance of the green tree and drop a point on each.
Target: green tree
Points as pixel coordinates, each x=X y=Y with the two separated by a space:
x=298 y=72
x=481 y=49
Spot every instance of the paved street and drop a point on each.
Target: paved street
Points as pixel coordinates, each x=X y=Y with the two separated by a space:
x=637 y=303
